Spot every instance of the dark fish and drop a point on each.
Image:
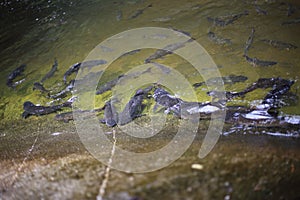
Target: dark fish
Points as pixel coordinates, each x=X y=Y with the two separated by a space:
x=166 y=50
x=63 y=93
x=257 y=62
x=131 y=52
x=39 y=86
x=51 y=72
x=119 y=15
x=219 y=22
x=86 y=64
x=164 y=69
x=261 y=118
x=293 y=21
x=110 y=115
x=249 y=42
x=17 y=72
x=158 y=54
x=168 y=101
x=290 y=10
x=221 y=94
x=260 y=11
x=182 y=31
x=164 y=98
x=182 y=109
x=279 y=44
x=226 y=20
x=73 y=69
x=108 y=86
x=134 y=107
x=231 y=79
x=92 y=63
x=68 y=116
x=139 y=12
x=31 y=109
x=279 y=87
x=65 y=117
x=239 y=15
x=216 y=39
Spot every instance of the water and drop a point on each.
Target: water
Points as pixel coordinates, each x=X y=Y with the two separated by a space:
x=244 y=164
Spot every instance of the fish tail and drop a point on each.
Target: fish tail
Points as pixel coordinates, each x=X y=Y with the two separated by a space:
x=67 y=104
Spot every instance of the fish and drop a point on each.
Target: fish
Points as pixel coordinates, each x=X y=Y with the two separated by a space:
x=226 y=20
x=182 y=31
x=82 y=65
x=219 y=22
x=68 y=116
x=51 y=72
x=256 y=62
x=108 y=86
x=110 y=115
x=139 y=12
x=63 y=93
x=166 y=50
x=131 y=52
x=134 y=107
x=163 y=68
x=260 y=11
x=279 y=44
x=31 y=109
x=223 y=95
x=182 y=109
x=92 y=63
x=164 y=98
x=279 y=87
x=162 y=19
x=168 y=101
x=40 y=87
x=73 y=69
x=15 y=73
x=65 y=117
x=293 y=21
x=231 y=79
x=158 y=54
x=290 y=10
x=119 y=15
x=216 y=39
x=249 y=41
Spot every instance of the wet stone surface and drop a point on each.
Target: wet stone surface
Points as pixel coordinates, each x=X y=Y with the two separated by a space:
x=241 y=166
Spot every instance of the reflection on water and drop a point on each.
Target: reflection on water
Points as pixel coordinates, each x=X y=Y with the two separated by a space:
x=37 y=32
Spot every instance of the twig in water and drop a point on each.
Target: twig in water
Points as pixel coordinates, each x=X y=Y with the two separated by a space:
x=20 y=168
x=107 y=170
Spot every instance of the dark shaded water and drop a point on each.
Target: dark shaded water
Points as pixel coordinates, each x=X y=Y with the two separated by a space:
x=44 y=159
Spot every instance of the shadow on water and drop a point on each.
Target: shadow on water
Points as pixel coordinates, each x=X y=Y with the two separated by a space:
x=44 y=159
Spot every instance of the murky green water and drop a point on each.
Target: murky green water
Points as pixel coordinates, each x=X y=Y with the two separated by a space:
x=36 y=163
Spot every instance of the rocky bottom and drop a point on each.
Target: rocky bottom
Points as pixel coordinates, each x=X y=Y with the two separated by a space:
x=53 y=164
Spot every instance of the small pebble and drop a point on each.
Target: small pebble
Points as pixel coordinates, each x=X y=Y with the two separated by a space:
x=197 y=166
x=56 y=133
